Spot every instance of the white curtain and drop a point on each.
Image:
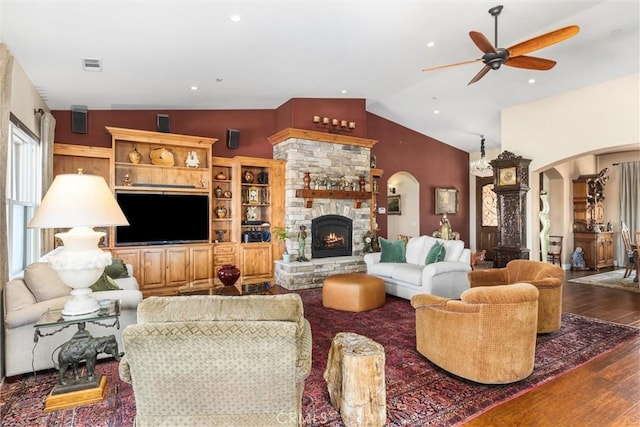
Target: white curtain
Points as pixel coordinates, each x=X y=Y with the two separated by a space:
x=6 y=67
x=47 y=136
x=629 y=203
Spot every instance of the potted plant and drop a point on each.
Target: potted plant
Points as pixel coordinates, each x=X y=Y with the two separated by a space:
x=282 y=234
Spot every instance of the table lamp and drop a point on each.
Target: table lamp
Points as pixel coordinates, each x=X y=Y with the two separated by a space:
x=79 y=202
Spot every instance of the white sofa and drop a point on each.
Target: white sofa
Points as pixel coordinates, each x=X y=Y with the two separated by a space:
x=38 y=289
x=447 y=278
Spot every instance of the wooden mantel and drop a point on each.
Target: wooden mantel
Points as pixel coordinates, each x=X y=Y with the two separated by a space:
x=334 y=138
x=309 y=195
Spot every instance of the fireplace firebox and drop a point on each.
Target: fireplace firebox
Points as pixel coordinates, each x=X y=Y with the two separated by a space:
x=331 y=236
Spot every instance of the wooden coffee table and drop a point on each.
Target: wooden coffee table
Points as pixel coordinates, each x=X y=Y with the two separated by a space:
x=209 y=287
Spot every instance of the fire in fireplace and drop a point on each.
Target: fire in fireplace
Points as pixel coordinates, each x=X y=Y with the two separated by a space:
x=331 y=236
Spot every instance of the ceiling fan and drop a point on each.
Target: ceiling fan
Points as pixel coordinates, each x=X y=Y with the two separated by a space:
x=516 y=55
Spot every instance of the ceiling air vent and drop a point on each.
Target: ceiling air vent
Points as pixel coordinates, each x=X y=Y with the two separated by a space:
x=91 y=64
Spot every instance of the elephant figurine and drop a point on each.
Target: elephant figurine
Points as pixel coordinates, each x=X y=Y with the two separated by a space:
x=84 y=347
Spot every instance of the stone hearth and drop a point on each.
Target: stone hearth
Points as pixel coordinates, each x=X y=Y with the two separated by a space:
x=322 y=155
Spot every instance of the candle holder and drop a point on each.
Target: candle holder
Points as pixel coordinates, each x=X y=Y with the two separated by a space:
x=332 y=125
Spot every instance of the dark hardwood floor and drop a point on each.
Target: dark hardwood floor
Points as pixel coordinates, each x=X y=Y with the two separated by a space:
x=603 y=392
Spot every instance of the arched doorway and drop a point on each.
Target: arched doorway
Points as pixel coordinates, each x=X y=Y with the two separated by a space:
x=407 y=222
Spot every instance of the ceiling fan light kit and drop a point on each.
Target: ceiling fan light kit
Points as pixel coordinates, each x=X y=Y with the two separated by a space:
x=516 y=55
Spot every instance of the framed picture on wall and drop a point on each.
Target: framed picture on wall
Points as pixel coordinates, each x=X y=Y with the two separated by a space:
x=446 y=200
x=393 y=207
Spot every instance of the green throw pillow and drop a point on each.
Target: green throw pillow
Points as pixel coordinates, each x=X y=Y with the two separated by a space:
x=392 y=250
x=105 y=283
x=436 y=253
x=117 y=269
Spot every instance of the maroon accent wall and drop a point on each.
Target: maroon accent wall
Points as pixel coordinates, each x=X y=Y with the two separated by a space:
x=298 y=113
x=434 y=164
x=431 y=162
x=254 y=126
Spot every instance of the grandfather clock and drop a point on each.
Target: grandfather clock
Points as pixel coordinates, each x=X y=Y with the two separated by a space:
x=511 y=184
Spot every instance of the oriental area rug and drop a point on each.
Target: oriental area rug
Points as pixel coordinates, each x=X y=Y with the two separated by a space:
x=610 y=279
x=418 y=392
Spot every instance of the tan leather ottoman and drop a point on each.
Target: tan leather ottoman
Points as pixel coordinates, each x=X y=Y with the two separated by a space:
x=353 y=292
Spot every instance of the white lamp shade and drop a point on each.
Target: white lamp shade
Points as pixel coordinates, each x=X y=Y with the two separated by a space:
x=78 y=200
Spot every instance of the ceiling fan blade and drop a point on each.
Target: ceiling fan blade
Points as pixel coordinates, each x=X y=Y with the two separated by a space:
x=482 y=42
x=440 y=67
x=530 y=63
x=480 y=75
x=542 y=41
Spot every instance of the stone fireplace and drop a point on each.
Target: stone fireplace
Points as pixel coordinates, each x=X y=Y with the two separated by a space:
x=325 y=157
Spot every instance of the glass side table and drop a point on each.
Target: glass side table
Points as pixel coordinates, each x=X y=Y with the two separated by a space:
x=79 y=390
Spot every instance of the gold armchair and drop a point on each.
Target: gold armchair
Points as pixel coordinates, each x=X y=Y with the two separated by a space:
x=218 y=360
x=489 y=336
x=548 y=278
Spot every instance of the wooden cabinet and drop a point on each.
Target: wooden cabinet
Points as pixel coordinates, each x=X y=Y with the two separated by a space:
x=153 y=161
x=161 y=270
x=245 y=197
x=588 y=206
x=251 y=195
x=256 y=260
x=598 y=249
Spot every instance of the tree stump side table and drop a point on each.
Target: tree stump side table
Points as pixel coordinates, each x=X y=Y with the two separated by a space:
x=355 y=379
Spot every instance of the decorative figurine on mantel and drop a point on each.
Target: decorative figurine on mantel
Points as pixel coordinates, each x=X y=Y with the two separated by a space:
x=302 y=240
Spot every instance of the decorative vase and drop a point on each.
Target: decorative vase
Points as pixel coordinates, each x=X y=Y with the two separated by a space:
x=286 y=257
x=247 y=177
x=135 y=156
x=161 y=157
x=221 y=176
x=221 y=211
x=227 y=194
x=217 y=192
x=307 y=180
x=229 y=274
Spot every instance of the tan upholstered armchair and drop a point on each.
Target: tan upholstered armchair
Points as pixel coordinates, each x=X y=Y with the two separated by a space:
x=546 y=277
x=489 y=336
x=218 y=360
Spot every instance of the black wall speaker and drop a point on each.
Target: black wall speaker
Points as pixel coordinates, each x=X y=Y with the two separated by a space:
x=79 y=121
x=162 y=123
x=233 y=138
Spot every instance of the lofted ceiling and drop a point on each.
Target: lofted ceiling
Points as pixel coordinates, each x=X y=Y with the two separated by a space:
x=153 y=52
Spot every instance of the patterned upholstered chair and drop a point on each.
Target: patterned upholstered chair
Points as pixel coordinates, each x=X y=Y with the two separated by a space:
x=488 y=336
x=546 y=277
x=218 y=360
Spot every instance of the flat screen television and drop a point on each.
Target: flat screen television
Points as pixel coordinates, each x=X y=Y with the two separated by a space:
x=162 y=219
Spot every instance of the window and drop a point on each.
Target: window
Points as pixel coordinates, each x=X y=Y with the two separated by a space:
x=24 y=178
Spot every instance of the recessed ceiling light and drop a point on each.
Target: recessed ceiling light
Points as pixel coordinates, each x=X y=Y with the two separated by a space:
x=436 y=111
x=531 y=81
x=431 y=44
x=616 y=31
x=343 y=91
x=234 y=18
x=219 y=79
x=194 y=88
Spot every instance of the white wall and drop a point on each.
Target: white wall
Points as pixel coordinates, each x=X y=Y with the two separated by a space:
x=560 y=129
x=25 y=99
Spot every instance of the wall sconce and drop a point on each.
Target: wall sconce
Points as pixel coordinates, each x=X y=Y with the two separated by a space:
x=333 y=125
